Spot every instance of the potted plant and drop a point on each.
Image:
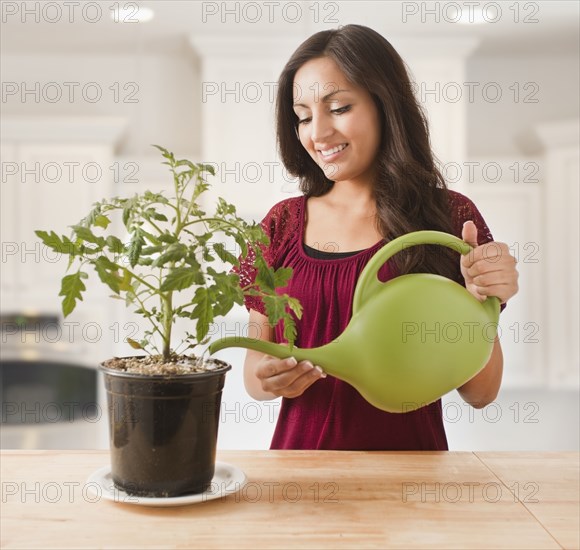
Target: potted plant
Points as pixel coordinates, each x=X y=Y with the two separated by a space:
x=166 y=260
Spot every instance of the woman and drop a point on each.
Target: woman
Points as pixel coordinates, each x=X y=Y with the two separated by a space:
x=349 y=126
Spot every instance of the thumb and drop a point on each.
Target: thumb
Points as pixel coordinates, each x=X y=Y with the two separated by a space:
x=469 y=233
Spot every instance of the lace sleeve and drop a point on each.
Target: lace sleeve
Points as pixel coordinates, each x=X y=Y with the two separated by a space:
x=463 y=209
x=273 y=224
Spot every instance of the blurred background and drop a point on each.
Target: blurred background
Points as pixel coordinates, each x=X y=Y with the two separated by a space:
x=87 y=87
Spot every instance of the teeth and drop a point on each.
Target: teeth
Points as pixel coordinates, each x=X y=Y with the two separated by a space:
x=333 y=150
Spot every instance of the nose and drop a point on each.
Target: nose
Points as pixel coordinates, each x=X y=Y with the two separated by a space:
x=321 y=128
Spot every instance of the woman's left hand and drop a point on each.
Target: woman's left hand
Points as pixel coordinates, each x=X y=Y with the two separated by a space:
x=489 y=269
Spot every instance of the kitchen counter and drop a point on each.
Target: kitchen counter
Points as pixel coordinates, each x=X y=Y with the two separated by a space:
x=312 y=499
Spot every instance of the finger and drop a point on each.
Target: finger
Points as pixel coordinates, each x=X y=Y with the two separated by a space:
x=303 y=382
x=469 y=233
x=272 y=366
x=496 y=277
x=501 y=291
x=286 y=378
x=504 y=267
x=492 y=252
x=473 y=290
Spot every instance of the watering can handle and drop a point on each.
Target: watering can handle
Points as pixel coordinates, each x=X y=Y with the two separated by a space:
x=368 y=283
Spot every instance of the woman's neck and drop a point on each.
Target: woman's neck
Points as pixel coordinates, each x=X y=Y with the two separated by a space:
x=355 y=198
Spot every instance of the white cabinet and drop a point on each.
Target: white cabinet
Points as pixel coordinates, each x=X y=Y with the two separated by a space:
x=53 y=170
x=561 y=200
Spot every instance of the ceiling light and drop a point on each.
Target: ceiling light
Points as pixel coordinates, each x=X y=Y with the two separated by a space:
x=131 y=13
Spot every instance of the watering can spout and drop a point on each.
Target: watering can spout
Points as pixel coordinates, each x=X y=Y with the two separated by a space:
x=317 y=356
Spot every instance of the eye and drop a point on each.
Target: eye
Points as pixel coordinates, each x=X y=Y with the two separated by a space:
x=304 y=120
x=341 y=110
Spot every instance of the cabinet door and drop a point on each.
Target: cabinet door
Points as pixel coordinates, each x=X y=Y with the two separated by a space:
x=9 y=227
x=56 y=187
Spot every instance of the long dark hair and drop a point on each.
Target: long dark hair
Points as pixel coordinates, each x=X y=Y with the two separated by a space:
x=409 y=190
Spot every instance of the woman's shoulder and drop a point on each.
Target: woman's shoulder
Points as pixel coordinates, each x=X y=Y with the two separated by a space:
x=459 y=199
x=287 y=206
x=283 y=215
x=463 y=209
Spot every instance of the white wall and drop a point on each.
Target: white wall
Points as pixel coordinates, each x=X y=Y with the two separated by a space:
x=506 y=127
x=159 y=94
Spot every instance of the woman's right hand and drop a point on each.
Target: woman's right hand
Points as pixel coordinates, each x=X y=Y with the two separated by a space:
x=287 y=377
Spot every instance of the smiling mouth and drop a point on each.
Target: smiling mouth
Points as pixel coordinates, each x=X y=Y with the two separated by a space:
x=333 y=151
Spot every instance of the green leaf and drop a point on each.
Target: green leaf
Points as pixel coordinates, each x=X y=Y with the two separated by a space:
x=115 y=244
x=224 y=302
x=175 y=252
x=203 y=312
x=157 y=216
x=282 y=276
x=207 y=168
x=294 y=305
x=133 y=344
x=150 y=237
x=242 y=243
x=224 y=255
x=167 y=238
x=135 y=247
x=89 y=220
x=128 y=206
x=289 y=330
x=102 y=221
x=125 y=284
x=85 y=234
x=274 y=309
x=107 y=272
x=52 y=240
x=179 y=278
x=72 y=288
x=265 y=278
x=148 y=250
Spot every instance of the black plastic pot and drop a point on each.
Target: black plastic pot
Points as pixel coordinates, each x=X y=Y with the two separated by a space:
x=163 y=431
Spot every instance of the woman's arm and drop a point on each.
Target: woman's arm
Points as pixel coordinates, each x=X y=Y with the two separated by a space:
x=483 y=388
x=258 y=329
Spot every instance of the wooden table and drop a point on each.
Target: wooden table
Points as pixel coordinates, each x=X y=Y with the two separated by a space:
x=312 y=499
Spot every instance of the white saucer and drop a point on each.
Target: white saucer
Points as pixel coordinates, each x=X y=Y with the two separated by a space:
x=227 y=480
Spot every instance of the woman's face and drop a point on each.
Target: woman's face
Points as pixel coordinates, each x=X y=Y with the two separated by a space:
x=339 y=122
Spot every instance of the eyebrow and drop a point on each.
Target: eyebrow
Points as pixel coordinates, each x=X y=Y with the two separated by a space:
x=327 y=96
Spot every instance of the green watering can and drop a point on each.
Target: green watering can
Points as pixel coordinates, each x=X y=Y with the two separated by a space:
x=409 y=341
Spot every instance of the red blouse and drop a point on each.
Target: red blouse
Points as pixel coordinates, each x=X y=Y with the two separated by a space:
x=331 y=414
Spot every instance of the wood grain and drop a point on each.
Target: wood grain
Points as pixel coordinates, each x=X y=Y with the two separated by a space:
x=548 y=484
x=314 y=499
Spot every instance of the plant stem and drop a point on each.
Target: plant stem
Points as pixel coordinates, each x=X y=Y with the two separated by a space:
x=167 y=323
